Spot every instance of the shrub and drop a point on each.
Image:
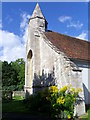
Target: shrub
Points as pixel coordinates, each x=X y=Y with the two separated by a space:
x=63 y=101
x=6 y=95
x=38 y=102
x=58 y=103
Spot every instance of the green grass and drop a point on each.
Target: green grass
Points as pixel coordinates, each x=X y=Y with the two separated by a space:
x=15 y=105
x=87 y=115
x=18 y=98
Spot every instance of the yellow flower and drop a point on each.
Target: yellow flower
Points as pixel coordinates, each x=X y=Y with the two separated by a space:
x=60 y=100
x=53 y=89
x=72 y=89
x=52 y=95
x=79 y=90
x=69 y=116
x=64 y=88
x=72 y=95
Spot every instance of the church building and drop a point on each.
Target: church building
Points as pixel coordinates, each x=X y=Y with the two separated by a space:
x=55 y=59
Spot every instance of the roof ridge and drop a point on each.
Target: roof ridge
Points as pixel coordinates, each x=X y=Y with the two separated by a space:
x=67 y=36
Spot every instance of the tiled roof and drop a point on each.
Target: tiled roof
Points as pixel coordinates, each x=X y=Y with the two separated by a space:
x=72 y=47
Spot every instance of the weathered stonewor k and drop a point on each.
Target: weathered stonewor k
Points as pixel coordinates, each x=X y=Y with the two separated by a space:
x=53 y=58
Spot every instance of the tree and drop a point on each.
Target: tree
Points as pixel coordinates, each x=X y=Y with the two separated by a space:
x=13 y=75
x=19 y=67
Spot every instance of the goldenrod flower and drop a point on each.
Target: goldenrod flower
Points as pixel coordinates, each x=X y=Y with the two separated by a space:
x=60 y=100
x=64 y=88
x=78 y=90
x=72 y=89
x=72 y=95
x=53 y=89
x=52 y=95
x=69 y=116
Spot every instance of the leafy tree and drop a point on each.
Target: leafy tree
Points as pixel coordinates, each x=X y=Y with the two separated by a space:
x=19 y=67
x=6 y=73
x=13 y=75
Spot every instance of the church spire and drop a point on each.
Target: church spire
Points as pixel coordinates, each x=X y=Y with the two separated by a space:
x=37 y=12
x=37 y=20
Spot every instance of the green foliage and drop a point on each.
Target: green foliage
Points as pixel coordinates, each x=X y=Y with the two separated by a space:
x=16 y=105
x=58 y=103
x=6 y=95
x=38 y=102
x=63 y=101
x=18 y=98
x=10 y=88
x=19 y=67
x=13 y=75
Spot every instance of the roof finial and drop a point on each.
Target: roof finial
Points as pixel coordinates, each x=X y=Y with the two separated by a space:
x=37 y=4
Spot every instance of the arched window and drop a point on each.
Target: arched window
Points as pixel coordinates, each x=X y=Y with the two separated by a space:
x=29 y=56
x=30 y=69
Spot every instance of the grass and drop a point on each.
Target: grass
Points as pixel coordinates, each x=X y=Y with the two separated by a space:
x=18 y=107
x=87 y=115
x=15 y=105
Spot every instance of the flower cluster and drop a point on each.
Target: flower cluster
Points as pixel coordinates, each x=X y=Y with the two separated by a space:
x=58 y=103
x=53 y=89
x=72 y=89
x=64 y=88
x=63 y=100
x=60 y=100
x=78 y=90
x=69 y=116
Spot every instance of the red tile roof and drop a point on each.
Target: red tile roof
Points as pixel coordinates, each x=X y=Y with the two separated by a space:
x=72 y=47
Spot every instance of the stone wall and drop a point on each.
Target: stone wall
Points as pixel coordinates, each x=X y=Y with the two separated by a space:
x=65 y=72
x=49 y=65
x=36 y=26
x=85 y=67
x=18 y=93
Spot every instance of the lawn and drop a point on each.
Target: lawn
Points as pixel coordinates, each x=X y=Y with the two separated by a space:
x=15 y=105
x=17 y=108
x=86 y=116
x=18 y=105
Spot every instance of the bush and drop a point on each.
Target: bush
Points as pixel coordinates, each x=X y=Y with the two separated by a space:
x=10 y=88
x=6 y=95
x=57 y=103
x=63 y=101
x=38 y=102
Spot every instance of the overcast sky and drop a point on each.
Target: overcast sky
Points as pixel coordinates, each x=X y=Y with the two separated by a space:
x=66 y=18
